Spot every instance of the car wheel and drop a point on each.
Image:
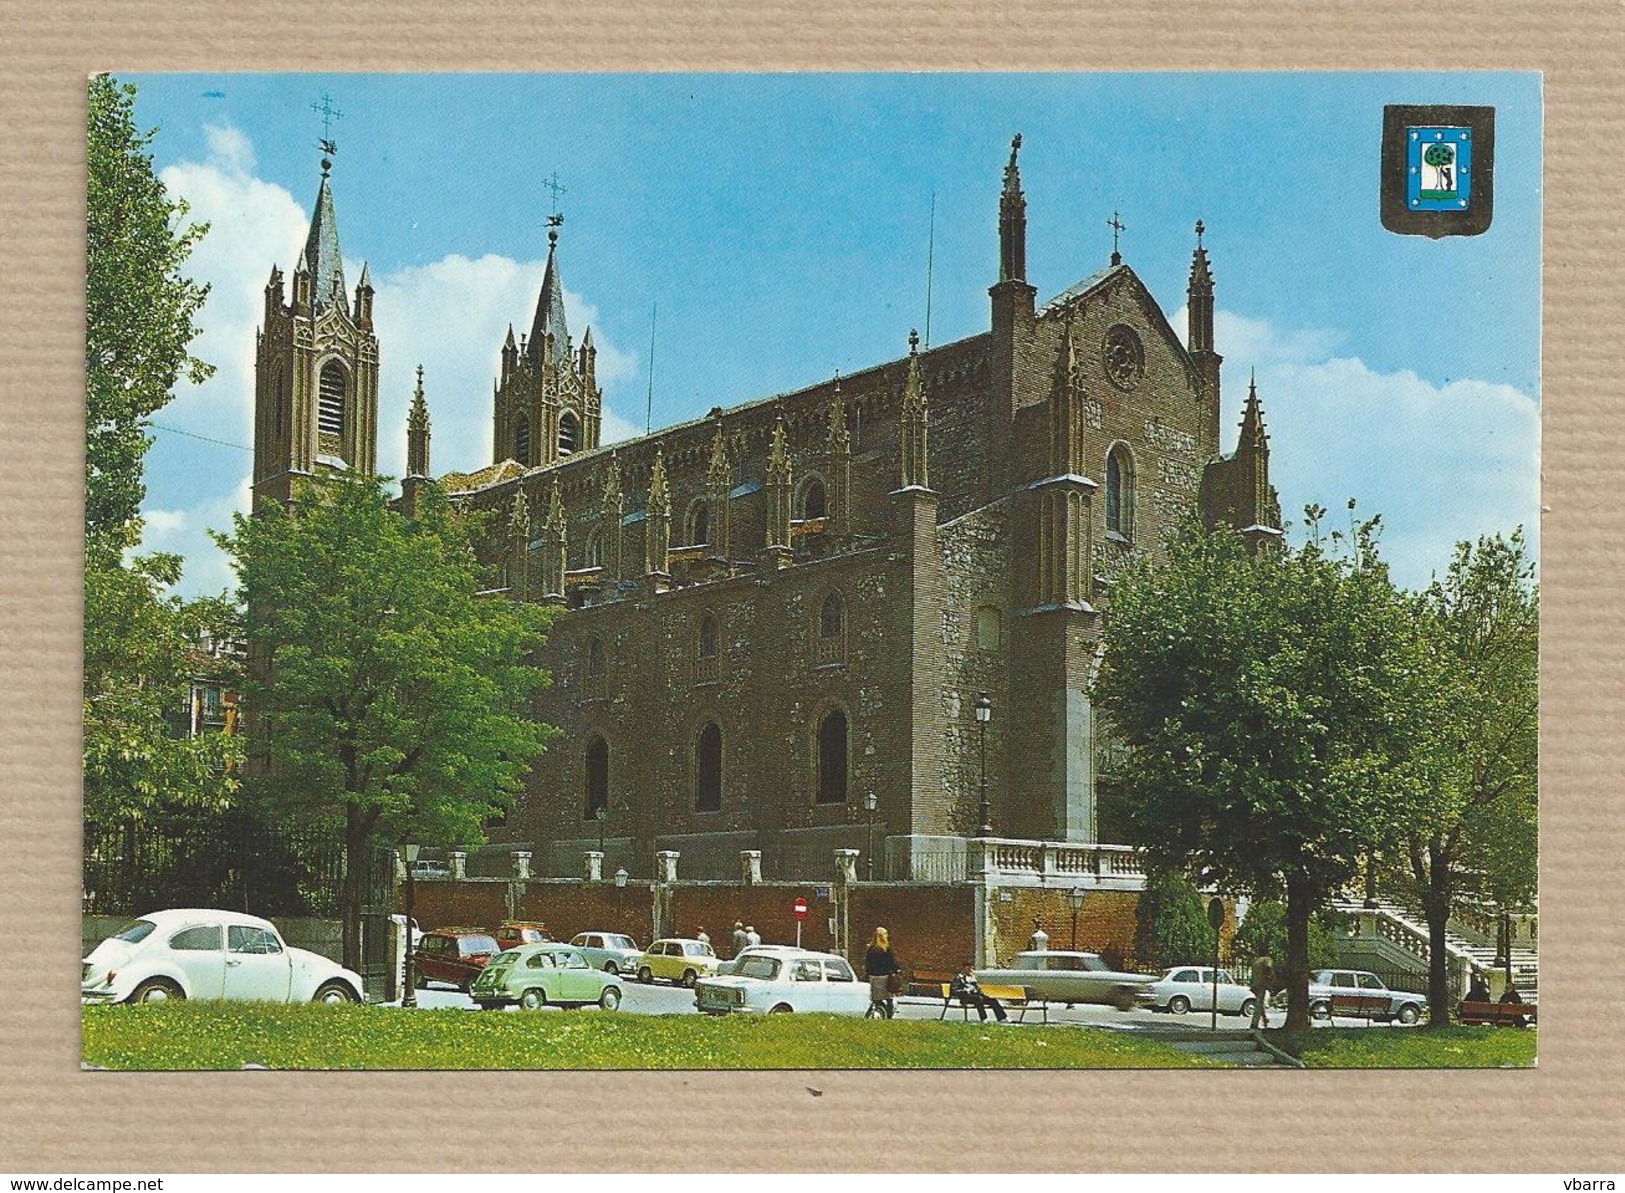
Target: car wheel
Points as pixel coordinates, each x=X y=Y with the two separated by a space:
x=611 y=967
x=610 y=999
x=646 y=976
x=1248 y=1007
x=783 y=1008
x=1320 y=1009
x=1178 y=1004
x=333 y=994
x=689 y=978
x=1409 y=1013
x=532 y=1000
x=157 y=990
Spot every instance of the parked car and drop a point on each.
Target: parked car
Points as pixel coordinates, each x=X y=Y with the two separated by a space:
x=454 y=955
x=677 y=960
x=1190 y=988
x=535 y=975
x=433 y=871
x=755 y=950
x=774 y=979
x=1071 y=978
x=193 y=953
x=1366 y=991
x=510 y=934
x=612 y=952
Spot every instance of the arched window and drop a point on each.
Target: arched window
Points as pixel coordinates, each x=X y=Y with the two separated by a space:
x=832 y=758
x=699 y=523
x=521 y=441
x=593 y=553
x=831 y=630
x=812 y=499
x=708 y=769
x=569 y=433
x=987 y=628
x=706 y=651
x=597 y=777
x=330 y=400
x=1120 y=491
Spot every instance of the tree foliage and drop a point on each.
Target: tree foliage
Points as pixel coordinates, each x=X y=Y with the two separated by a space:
x=1170 y=923
x=387 y=697
x=141 y=645
x=1271 y=704
x=139 y=308
x=1263 y=934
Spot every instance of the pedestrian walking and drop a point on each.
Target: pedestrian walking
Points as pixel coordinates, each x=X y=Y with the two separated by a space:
x=885 y=977
x=740 y=940
x=1263 y=982
x=969 y=994
x=751 y=935
x=1039 y=941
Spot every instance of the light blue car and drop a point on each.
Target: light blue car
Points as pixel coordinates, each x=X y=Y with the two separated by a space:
x=612 y=952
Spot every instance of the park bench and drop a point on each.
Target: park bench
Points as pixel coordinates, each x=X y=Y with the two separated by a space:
x=1497 y=1014
x=936 y=988
x=1360 y=1006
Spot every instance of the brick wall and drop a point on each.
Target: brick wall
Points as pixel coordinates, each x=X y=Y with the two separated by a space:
x=1105 y=922
x=931 y=927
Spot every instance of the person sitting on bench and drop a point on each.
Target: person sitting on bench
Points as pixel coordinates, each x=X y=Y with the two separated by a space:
x=1477 y=990
x=969 y=994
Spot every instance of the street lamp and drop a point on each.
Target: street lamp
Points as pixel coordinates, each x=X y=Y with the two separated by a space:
x=869 y=805
x=620 y=892
x=600 y=813
x=1074 y=900
x=984 y=714
x=409 y=996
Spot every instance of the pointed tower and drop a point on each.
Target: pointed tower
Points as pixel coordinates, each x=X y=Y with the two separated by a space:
x=611 y=513
x=913 y=424
x=719 y=483
x=838 y=468
x=1012 y=369
x=1199 y=342
x=417 y=450
x=657 y=528
x=315 y=368
x=1236 y=490
x=1065 y=495
x=555 y=548
x=519 y=547
x=547 y=403
x=779 y=486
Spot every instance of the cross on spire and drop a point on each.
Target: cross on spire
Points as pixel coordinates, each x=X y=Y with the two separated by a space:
x=552 y=184
x=1200 y=228
x=325 y=109
x=1118 y=227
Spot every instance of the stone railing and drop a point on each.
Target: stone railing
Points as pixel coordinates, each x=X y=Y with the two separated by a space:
x=1063 y=860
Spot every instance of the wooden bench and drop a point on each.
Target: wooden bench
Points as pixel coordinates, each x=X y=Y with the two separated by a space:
x=1359 y=1006
x=1497 y=1014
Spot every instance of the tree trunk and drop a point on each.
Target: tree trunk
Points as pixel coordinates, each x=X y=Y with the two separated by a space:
x=1299 y=907
x=1436 y=905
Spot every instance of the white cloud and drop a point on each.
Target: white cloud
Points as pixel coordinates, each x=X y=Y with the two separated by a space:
x=230 y=148
x=1439 y=462
x=163 y=522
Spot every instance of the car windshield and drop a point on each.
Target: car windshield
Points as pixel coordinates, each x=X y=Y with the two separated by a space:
x=619 y=942
x=765 y=968
x=135 y=930
x=470 y=945
x=698 y=948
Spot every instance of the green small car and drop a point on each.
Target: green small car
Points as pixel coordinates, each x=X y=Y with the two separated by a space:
x=535 y=975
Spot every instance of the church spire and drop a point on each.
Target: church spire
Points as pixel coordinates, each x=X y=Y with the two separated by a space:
x=1253 y=438
x=1199 y=297
x=322 y=251
x=549 y=320
x=916 y=471
x=1013 y=221
x=417 y=433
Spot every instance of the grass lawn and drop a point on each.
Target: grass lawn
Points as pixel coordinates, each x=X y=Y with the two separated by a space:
x=219 y=1035
x=1413 y=1048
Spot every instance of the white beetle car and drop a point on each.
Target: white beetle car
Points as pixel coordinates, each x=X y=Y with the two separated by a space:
x=781 y=981
x=187 y=953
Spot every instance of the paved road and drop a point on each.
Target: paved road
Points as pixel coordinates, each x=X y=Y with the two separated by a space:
x=674 y=1000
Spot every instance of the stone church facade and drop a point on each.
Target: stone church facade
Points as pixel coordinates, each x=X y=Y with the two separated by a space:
x=771 y=613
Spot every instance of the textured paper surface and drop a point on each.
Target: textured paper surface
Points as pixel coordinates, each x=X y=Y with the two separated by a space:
x=1564 y=1117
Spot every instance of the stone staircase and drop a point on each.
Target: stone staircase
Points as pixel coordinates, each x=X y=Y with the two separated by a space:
x=1399 y=932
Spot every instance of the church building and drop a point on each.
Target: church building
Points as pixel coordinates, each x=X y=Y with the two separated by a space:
x=778 y=622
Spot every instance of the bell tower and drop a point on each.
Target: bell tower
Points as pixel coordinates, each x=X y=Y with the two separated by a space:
x=315 y=365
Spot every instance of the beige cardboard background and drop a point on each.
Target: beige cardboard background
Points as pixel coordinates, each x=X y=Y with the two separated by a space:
x=1565 y=1117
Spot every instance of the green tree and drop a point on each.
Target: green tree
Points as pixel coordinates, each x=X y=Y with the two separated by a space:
x=1476 y=833
x=139 y=308
x=1270 y=703
x=140 y=644
x=1170 y=923
x=385 y=696
x=1263 y=934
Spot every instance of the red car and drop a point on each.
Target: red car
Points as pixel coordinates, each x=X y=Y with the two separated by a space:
x=454 y=955
x=513 y=933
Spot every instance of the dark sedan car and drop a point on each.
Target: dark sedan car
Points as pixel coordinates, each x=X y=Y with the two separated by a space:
x=455 y=955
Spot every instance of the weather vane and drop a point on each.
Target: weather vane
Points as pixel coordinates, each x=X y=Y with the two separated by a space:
x=325 y=109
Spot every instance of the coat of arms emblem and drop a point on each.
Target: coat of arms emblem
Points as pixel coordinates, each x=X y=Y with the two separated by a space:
x=1438 y=168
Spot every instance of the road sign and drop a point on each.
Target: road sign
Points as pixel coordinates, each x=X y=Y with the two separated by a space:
x=799 y=908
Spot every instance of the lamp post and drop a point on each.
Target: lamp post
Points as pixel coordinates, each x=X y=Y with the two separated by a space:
x=409 y=996
x=600 y=814
x=1074 y=900
x=869 y=805
x=984 y=714
x=620 y=892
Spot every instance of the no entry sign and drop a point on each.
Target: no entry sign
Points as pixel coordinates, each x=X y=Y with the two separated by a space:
x=799 y=908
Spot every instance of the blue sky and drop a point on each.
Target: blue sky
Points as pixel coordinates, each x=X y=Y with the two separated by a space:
x=781 y=223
